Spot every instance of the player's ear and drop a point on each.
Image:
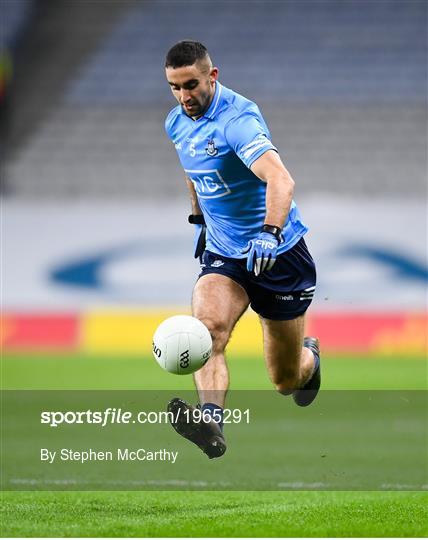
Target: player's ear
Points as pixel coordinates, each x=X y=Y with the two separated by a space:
x=213 y=75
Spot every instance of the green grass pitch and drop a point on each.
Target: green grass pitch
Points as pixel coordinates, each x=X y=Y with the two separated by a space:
x=222 y=514
x=209 y=513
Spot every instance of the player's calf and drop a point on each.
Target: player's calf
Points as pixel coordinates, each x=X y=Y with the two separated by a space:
x=301 y=380
x=288 y=382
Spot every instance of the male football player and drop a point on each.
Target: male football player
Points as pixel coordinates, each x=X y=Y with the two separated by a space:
x=248 y=236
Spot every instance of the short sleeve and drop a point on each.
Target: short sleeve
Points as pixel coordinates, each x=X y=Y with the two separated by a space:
x=170 y=122
x=248 y=136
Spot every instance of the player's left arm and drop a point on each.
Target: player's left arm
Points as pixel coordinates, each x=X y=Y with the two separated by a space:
x=280 y=187
x=262 y=250
x=249 y=137
x=197 y=218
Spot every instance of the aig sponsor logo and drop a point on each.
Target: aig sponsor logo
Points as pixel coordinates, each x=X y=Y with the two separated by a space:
x=208 y=183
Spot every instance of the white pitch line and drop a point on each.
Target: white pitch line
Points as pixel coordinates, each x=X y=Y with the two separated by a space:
x=201 y=484
x=71 y=481
x=305 y=485
x=405 y=486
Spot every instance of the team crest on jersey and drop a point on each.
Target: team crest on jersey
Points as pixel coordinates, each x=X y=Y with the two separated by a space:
x=211 y=149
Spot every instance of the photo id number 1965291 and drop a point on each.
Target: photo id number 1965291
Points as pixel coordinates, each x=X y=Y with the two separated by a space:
x=230 y=416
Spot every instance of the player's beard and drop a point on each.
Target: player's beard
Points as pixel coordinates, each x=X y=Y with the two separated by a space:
x=198 y=106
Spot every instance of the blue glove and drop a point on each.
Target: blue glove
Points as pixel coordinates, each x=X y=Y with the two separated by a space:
x=199 y=239
x=261 y=253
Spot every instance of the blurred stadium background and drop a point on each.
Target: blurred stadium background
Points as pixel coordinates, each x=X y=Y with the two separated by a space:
x=96 y=248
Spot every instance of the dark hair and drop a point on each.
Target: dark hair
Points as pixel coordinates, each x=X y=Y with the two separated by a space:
x=185 y=53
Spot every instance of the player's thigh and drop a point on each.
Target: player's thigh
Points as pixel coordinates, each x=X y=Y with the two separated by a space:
x=218 y=301
x=283 y=341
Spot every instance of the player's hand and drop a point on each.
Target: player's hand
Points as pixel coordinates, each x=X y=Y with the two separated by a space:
x=261 y=253
x=199 y=240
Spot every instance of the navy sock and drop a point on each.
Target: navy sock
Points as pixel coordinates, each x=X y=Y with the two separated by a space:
x=215 y=412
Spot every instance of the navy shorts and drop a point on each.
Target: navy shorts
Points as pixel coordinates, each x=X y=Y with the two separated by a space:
x=282 y=293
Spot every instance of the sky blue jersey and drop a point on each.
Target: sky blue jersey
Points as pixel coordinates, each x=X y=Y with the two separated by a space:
x=216 y=152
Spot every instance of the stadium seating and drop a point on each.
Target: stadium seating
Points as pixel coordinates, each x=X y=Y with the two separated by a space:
x=15 y=15
x=342 y=85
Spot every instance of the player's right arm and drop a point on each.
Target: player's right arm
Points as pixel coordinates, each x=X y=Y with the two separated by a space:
x=196 y=209
x=197 y=218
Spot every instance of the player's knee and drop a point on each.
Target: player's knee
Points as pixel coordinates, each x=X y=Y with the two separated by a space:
x=219 y=333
